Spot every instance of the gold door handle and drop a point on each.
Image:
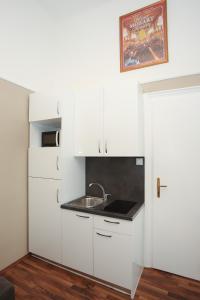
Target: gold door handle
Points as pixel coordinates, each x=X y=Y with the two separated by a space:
x=159 y=186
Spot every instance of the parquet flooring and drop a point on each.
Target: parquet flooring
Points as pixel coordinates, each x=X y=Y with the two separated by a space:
x=38 y=280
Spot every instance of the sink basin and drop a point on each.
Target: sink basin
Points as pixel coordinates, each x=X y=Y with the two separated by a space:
x=87 y=202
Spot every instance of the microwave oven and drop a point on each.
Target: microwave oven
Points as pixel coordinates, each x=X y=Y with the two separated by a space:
x=51 y=139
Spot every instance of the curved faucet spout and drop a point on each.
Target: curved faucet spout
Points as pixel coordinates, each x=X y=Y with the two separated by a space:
x=105 y=196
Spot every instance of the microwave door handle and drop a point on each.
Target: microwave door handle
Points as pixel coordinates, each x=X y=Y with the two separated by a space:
x=57 y=134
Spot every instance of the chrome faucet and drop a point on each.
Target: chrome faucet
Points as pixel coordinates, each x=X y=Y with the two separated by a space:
x=105 y=196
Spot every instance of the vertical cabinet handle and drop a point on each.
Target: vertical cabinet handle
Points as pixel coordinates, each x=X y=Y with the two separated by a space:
x=57 y=163
x=106 y=147
x=99 y=147
x=57 y=196
x=58 y=108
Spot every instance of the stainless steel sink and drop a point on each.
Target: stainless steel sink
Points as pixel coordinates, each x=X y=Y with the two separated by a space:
x=87 y=202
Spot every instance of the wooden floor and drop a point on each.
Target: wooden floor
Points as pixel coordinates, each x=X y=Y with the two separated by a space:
x=38 y=280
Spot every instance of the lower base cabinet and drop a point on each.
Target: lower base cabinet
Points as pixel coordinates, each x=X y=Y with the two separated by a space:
x=77 y=241
x=113 y=257
x=107 y=248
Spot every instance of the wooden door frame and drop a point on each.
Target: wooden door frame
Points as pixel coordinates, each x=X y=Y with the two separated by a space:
x=148 y=153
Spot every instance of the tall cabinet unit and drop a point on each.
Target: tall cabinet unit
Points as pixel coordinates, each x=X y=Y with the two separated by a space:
x=52 y=171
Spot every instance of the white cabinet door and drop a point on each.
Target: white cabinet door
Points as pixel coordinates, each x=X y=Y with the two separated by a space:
x=109 y=123
x=120 y=121
x=45 y=162
x=42 y=107
x=77 y=241
x=45 y=218
x=89 y=124
x=113 y=257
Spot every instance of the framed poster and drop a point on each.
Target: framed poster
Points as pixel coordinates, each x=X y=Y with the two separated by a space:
x=143 y=37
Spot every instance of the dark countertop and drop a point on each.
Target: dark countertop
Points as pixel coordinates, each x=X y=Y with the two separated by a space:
x=99 y=210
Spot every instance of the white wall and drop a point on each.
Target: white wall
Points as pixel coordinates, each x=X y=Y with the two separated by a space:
x=84 y=48
x=89 y=44
x=26 y=44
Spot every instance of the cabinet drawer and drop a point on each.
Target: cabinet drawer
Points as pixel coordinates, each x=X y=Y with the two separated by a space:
x=114 y=225
x=45 y=162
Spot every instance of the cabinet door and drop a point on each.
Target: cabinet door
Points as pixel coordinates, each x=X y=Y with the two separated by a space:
x=45 y=162
x=45 y=218
x=77 y=244
x=113 y=258
x=89 y=124
x=42 y=107
x=120 y=121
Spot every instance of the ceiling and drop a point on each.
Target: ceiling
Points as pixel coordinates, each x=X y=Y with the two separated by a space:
x=60 y=9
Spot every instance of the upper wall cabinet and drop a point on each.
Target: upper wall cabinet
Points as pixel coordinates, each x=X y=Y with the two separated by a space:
x=122 y=133
x=42 y=107
x=89 y=123
x=109 y=123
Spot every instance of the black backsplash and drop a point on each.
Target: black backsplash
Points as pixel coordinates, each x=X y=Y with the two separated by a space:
x=120 y=176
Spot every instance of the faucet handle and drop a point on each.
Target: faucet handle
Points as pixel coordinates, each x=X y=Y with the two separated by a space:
x=106 y=196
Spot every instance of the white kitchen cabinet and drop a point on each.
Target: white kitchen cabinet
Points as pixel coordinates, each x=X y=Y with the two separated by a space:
x=110 y=249
x=43 y=107
x=45 y=218
x=51 y=172
x=88 y=123
x=113 y=257
x=118 y=250
x=77 y=241
x=109 y=124
x=122 y=134
x=45 y=162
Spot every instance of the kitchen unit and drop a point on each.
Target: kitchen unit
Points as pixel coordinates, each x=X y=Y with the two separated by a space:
x=103 y=235
x=97 y=241
x=51 y=171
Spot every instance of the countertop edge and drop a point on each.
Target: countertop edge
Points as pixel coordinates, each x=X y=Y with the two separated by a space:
x=128 y=217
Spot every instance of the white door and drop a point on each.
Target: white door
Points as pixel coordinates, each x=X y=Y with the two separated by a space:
x=45 y=162
x=176 y=161
x=89 y=123
x=45 y=218
x=77 y=241
x=121 y=121
x=42 y=107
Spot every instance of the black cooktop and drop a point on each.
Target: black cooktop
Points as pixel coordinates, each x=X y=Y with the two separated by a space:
x=120 y=206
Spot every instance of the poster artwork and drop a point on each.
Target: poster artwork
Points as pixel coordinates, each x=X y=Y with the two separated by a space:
x=143 y=37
